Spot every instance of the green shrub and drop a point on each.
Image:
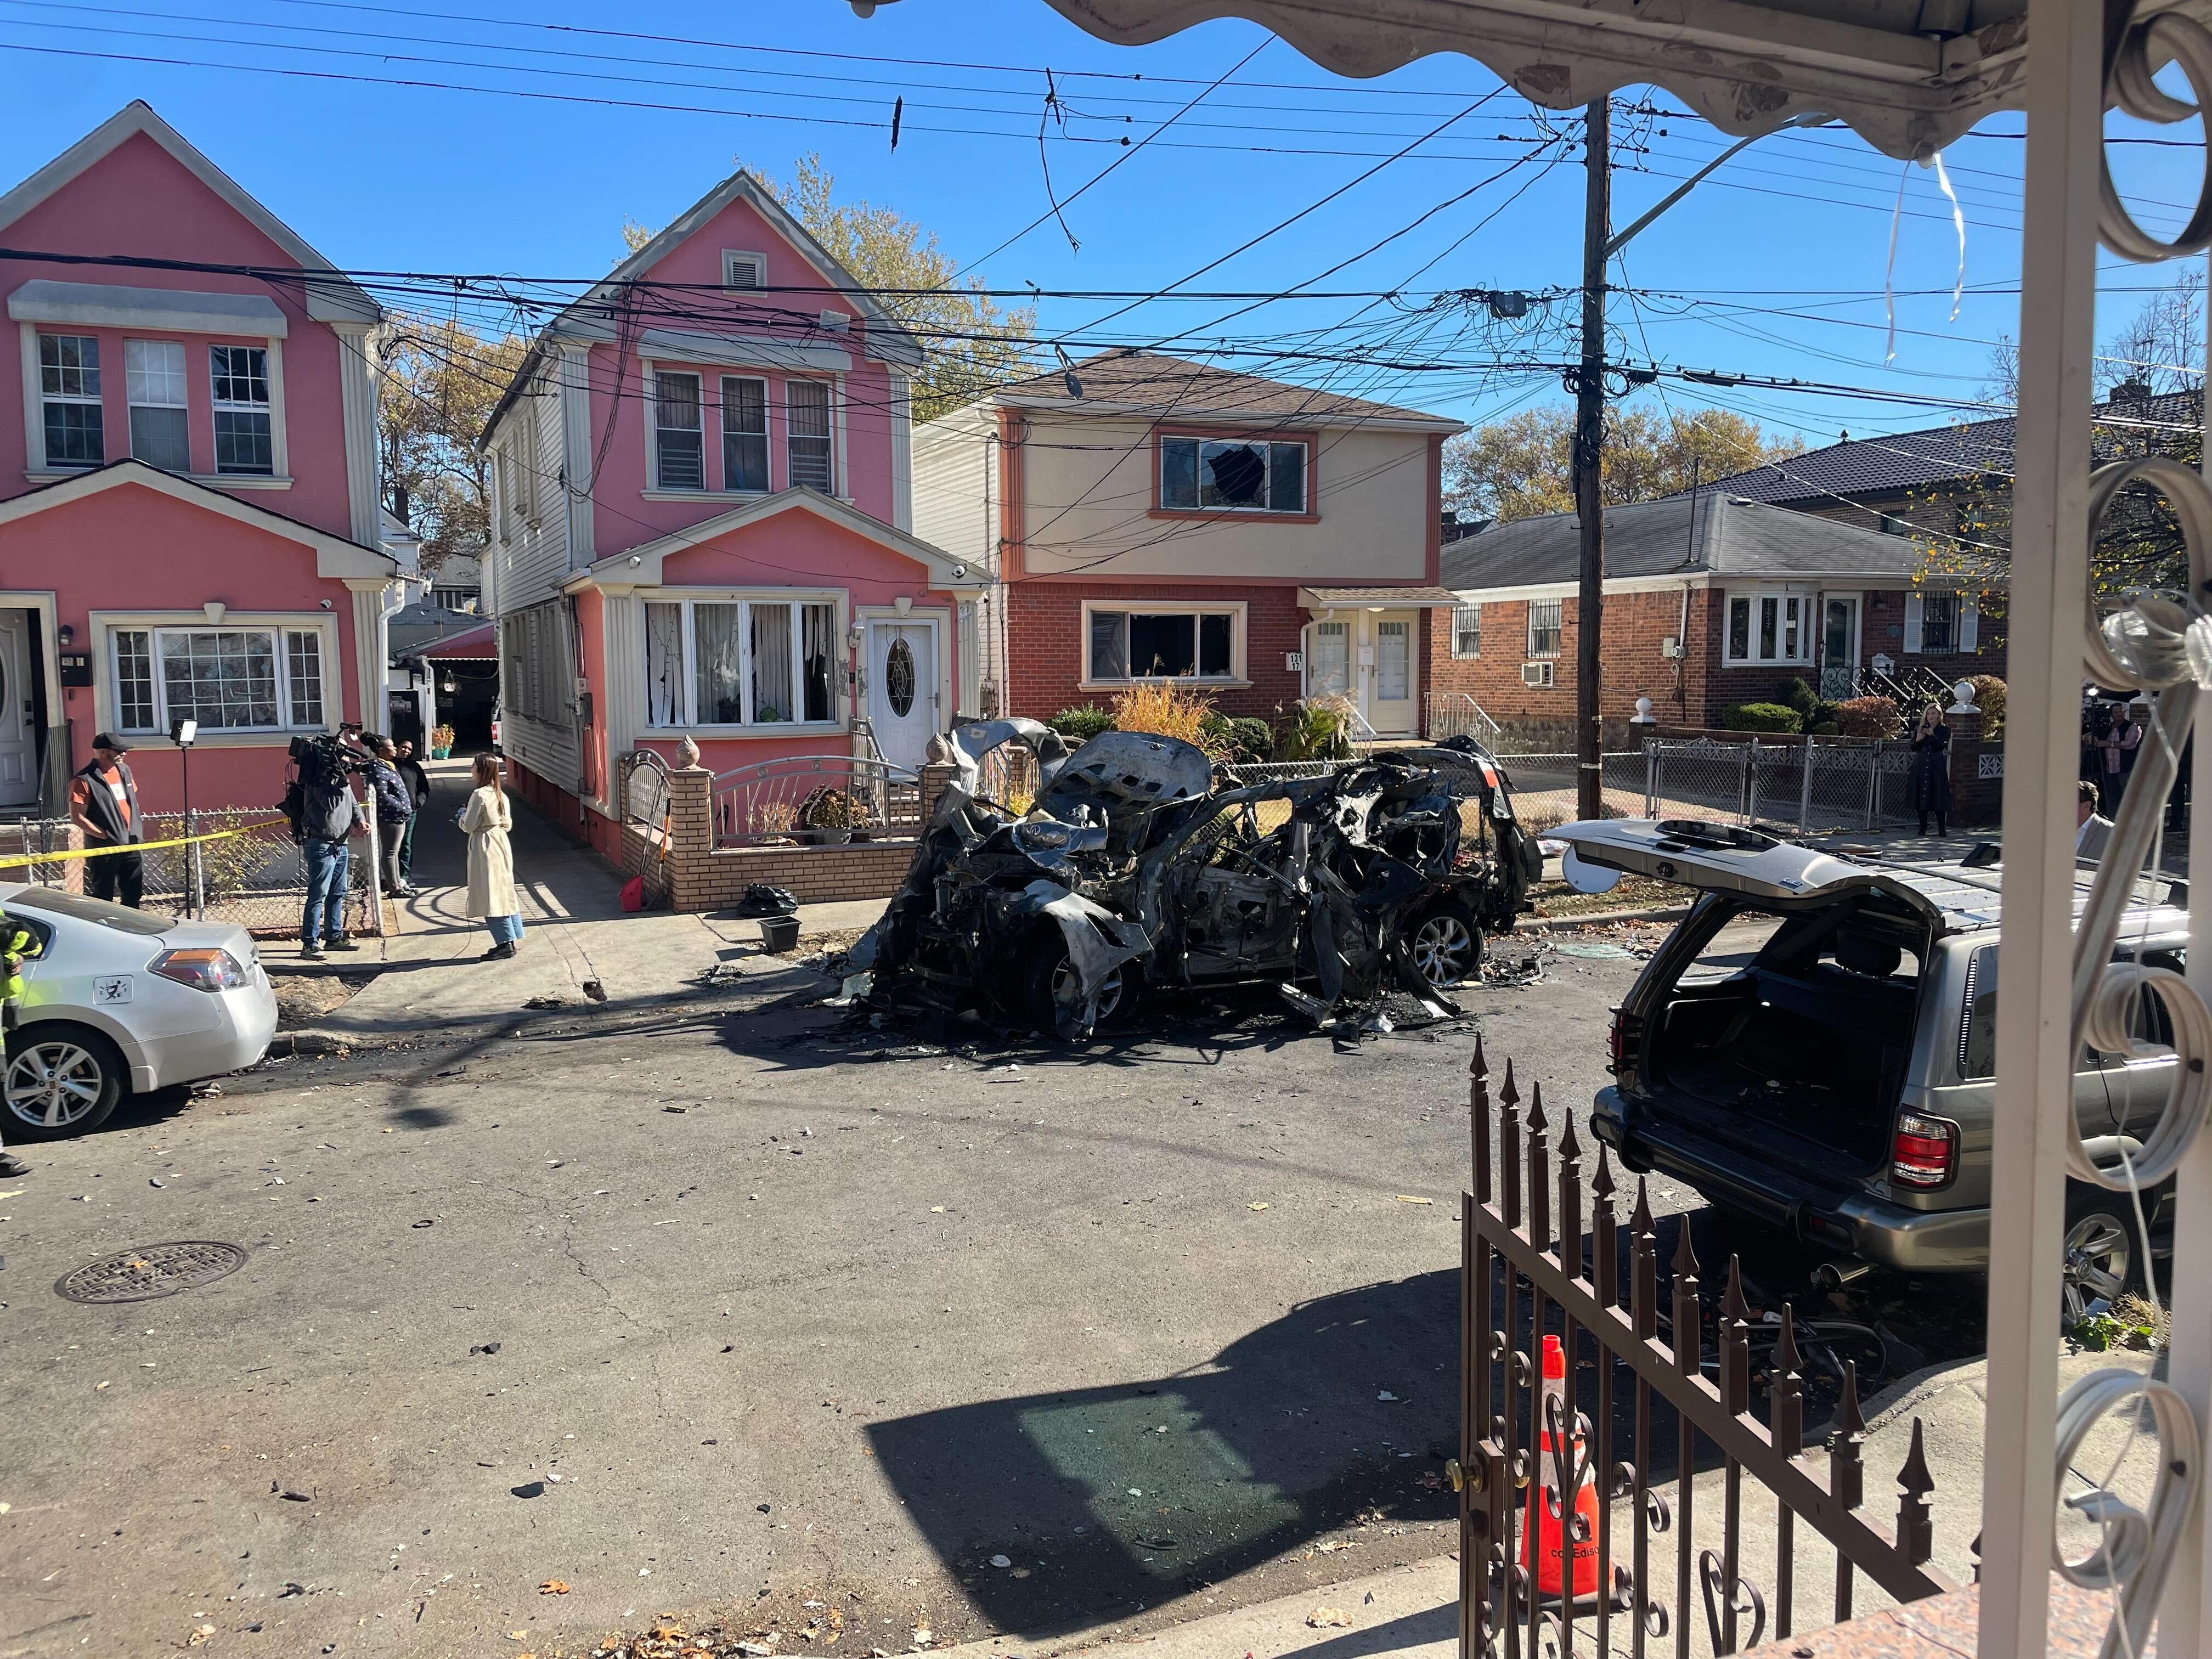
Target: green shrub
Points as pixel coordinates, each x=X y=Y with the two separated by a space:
x=1250 y=739
x=1082 y=723
x=1319 y=728
x=1824 y=713
x=1868 y=717
x=1797 y=695
x=1762 y=717
x=1826 y=729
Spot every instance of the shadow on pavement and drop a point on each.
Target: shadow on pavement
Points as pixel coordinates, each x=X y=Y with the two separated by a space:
x=1110 y=1499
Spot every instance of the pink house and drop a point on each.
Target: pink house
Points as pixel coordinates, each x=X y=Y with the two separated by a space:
x=701 y=520
x=189 y=523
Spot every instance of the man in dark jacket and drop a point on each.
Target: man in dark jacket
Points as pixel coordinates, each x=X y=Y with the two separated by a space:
x=418 y=792
x=104 y=805
x=328 y=811
x=395 y=804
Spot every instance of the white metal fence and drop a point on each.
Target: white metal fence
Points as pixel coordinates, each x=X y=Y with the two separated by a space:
x=1844 y=784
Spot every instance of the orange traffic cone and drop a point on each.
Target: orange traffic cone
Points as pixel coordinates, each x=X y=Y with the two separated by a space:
x=1545 y=1528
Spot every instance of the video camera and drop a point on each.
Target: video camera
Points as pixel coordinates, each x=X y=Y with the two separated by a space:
x=328 y=757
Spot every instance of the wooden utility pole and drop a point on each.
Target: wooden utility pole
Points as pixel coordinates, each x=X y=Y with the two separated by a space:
x=1589 y=450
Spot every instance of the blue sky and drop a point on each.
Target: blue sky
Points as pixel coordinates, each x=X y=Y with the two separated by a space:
x=1774 y=267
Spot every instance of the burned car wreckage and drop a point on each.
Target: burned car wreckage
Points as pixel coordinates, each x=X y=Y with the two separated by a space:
x=1133 y=870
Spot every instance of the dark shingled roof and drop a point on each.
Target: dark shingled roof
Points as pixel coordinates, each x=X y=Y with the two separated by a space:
x=1182 y=390
x=1711 y=535
x=1951 y=454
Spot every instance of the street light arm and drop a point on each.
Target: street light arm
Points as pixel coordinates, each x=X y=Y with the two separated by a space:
x=1698 y=178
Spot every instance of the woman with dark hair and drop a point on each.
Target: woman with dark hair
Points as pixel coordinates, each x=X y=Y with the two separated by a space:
x=486 y=820
x=1931 y=770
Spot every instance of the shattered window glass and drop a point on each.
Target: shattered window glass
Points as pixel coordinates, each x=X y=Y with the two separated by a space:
x=1213 y=647
x=1232 y=475
x=1109 y=645
x=1162 y=646
x=1178 y=472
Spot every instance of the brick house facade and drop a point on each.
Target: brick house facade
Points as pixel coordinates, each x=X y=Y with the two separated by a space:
x=1144 y=517
x=1841 y=596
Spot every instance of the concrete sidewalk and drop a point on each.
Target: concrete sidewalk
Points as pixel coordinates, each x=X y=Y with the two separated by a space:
x=580 y=947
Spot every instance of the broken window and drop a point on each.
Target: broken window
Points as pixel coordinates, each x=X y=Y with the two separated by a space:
x=1248 y=475
x=1162 y=644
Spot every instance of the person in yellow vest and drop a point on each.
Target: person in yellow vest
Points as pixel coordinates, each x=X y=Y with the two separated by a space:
x=17 y=942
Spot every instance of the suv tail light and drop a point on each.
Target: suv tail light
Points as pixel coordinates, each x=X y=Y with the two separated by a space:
x=1925 y=1153
x=1624 y=1043
x=203 y=969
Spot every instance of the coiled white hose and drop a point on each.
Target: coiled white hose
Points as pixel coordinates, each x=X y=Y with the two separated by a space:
x=2136 y=1550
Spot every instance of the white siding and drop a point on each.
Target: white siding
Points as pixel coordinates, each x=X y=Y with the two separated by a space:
x=956 y=503
x=530 y=546
x=538 y=692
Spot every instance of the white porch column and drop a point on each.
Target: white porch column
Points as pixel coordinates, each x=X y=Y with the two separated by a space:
x=2034 y=1062
x=369 y=649
x=622 y=699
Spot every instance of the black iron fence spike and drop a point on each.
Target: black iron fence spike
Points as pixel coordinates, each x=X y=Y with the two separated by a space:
x=1602 y=1182
x=1640 y=1221
x=1478 y=1067
x=1569 y=1147
x=1732 y=1303
x=1914 y=1477
x=1849 y=1418
x=1510 y=1091
x=1787 y=1359
x=1537 y=1121
x=1686 y=1258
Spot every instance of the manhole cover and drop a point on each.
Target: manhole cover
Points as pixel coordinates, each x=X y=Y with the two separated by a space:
x=151 y=1272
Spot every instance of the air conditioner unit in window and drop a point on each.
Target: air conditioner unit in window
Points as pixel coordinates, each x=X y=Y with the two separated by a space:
x=1536 y=674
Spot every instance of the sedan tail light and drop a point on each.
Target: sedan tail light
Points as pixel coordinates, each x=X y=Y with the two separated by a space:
x=1624 y=1043
x=204 y=969
x=1925 y=1153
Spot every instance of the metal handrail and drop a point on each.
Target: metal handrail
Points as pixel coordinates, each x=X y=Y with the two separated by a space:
x=651 y=760
x=798 y=798
x=1439 y=701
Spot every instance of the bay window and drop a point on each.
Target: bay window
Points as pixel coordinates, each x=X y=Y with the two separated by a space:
x=1239 y=475
x=243 y=438
x=761 y=662
x=679 y=440
x=228 y=679
x=1769 y=628
x=1185 y=643
x=69 y=393
x=154 y=373
x=745 y=433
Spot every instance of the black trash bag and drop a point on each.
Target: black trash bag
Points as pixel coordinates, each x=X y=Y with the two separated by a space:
x=760 y=900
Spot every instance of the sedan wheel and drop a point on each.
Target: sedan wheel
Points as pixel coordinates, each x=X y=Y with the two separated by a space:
x=1446 y=948
x=60 y=1084
x=1066 y=987
x=2095 y=1271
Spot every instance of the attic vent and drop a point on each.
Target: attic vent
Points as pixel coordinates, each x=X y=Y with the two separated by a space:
x=744 y=271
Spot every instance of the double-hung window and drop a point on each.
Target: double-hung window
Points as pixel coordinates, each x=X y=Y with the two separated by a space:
x=745 y=433
x=1234 y=474
x=1467 y=630
x=739 y=662
x=154 y=371
x=679 y=438
x=1545 y=625
x=228 y=679
x=243 y=436
x=1194 y=643
x=1769 y=628
x=1939 y=624
x=69 y=393
x=807 y=415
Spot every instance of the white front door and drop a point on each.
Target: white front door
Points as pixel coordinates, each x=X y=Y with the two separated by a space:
x=903 y=688
x=1329 y=659
x=1389 y=688
x=19 y=738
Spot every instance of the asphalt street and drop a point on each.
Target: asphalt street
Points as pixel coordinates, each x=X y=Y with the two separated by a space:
x=781 y=1317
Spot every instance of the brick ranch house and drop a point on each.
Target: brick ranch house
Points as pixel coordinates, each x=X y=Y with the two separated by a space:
x=1711 y=600
x=1144 y=517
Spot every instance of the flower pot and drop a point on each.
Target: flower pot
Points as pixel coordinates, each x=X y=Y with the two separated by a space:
x=827 y=837
x=780 y=934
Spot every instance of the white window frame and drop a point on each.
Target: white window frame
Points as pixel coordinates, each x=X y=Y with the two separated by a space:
x=834 y=408
x=35 y=463
x=730 y=257
x=1810 y=624
x=133 y=403
x=690 y=598
x=1235 y=610
x=722 y=426
x=37 y=399
x=107 y=707
x=1473 y=612
x=1559 y=628
x=1307 y=497
x=273 y=409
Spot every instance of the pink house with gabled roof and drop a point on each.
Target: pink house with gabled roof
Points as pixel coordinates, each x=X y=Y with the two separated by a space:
x=189 y=516
x=703 y=520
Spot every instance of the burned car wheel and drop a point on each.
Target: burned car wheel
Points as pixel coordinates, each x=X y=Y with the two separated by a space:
x=1052 y=975
x=1447 y=946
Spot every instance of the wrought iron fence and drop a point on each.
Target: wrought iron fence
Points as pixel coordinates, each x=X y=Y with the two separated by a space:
x=645 y=789
x=815 y=799
x=256 y=878
x=1541 y=1476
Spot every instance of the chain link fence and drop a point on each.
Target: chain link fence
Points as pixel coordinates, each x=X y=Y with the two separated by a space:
x=256 y=879
x=1805 y=788
x=1544 y=790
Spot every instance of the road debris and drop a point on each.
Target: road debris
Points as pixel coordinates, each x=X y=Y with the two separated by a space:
x=1329 y=1619
x=554 y=1587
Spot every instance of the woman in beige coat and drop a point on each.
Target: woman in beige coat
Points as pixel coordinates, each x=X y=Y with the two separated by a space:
x=486 y=820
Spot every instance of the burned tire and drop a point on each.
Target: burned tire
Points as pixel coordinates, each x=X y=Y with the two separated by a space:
x=61 y=1080
x=1050 y=969
x=1445 y=944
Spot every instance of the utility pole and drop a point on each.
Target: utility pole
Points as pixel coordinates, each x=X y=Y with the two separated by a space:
x=1589 y=448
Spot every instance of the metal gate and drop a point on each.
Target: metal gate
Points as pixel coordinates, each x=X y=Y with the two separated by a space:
x=1534 y=1264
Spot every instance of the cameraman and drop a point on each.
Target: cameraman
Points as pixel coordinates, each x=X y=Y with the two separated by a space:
x=104 y=805
x=328 y=812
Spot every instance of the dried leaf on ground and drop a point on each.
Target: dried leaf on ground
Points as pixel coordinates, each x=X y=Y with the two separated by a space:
x=1327 y=1618
x=554 y=1587
x=1256 y=1206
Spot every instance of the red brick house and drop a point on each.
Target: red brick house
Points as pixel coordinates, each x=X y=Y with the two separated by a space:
x=1144 y=517
x=1709 y=601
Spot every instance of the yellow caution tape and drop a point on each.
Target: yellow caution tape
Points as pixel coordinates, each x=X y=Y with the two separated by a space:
x=133 y=847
